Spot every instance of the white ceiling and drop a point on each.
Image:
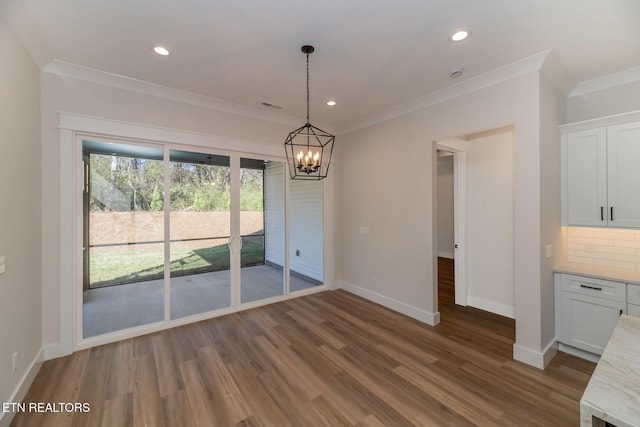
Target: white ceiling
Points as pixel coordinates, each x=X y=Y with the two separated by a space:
x=371 y=55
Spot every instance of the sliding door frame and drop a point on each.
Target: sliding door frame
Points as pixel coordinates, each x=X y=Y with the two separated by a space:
x=72 y=130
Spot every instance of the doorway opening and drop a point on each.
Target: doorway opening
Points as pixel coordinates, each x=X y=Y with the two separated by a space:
x=446 y=230
x=451 y=227
x=475 y=199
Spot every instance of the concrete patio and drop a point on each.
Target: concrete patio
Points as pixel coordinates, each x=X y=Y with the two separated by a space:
x=114 y=308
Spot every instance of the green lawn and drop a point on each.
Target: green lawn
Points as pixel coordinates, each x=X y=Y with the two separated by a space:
x=120 y=267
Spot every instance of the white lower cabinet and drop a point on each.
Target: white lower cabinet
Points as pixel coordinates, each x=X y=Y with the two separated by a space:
x=587 y=322
x=587 y=311
x=633 y=300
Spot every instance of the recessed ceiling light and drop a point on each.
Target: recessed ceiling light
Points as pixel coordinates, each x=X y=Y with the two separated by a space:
x=459 y=35
x=331 y=103
x=163 y=51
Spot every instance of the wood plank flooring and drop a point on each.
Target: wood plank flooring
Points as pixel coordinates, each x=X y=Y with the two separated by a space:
x=329 y=359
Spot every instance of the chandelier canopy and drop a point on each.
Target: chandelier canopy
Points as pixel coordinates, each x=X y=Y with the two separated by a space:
x=309 y=148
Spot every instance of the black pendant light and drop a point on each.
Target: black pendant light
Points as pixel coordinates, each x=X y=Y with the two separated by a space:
x=309 y=148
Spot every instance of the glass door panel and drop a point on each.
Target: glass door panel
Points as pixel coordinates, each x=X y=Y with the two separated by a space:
x=261 y=229
x=123 y=284
x=306 y=246
x=200 y=227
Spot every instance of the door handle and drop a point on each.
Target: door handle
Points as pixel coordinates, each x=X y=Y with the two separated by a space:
x=601 y=213
x=232 y=246
x=611 y=213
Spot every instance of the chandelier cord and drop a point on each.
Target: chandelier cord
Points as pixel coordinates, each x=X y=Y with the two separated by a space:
x=307 y=88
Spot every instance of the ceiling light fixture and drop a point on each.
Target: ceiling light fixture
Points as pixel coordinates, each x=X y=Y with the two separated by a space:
x=459 y=35
x=331 y=103
x=308 y=148
x=162 y=51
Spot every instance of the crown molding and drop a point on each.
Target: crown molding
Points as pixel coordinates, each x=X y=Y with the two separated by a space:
x=67 y=69
x=555 y=71
x=507 y=72
x=615 y=119
x=605 y=82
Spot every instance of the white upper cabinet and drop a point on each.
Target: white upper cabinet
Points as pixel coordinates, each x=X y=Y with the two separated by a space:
x=587 y=177
x=601 y=172
x=623 y=166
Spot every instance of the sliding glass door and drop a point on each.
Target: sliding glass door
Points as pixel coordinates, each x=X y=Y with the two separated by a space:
x=123 y=237
x=261 y=229
x=170 y=234
x=306 y=234
x=200 y=223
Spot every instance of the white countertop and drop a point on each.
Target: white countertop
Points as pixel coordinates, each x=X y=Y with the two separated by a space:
x=599 y=272
x=613 y=393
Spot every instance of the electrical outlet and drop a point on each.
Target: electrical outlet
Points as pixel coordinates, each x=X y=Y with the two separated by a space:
x=14 y=362
x=2 y=268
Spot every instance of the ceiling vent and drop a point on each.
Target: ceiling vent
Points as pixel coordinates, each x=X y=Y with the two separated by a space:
x=270 y=105
x=455 y=72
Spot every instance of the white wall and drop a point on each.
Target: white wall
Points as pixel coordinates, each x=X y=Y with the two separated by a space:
x=20 y=300
x=274 y=212
x=306 y=228
x=445 y=206
x=395 y=198
x=490 y=232
x=603 y=102
x=552 y=115
x=305 y=219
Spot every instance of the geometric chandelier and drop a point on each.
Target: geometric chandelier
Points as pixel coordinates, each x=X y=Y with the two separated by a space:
x=308 y=148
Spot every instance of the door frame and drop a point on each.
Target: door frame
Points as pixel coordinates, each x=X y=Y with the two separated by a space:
x=459 y=220
x=72 y=128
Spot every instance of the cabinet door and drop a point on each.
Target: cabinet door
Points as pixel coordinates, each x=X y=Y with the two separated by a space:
x=587 y=322
x=633 y=310
x=623 y=162
x=587 y=177
x=633 y=294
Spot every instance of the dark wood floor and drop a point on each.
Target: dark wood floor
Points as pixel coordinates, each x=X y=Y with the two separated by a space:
x=328 y=359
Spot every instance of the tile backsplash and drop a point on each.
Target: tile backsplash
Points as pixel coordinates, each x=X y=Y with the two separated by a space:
x=619 y=248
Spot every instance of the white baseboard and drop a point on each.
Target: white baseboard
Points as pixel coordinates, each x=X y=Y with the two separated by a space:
x=443 y=254
x=549 y=352
x=393 y=304
x=492 y=307
x=579 y=353
x=22 y=387
x=55 y=350
x=535 y=358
